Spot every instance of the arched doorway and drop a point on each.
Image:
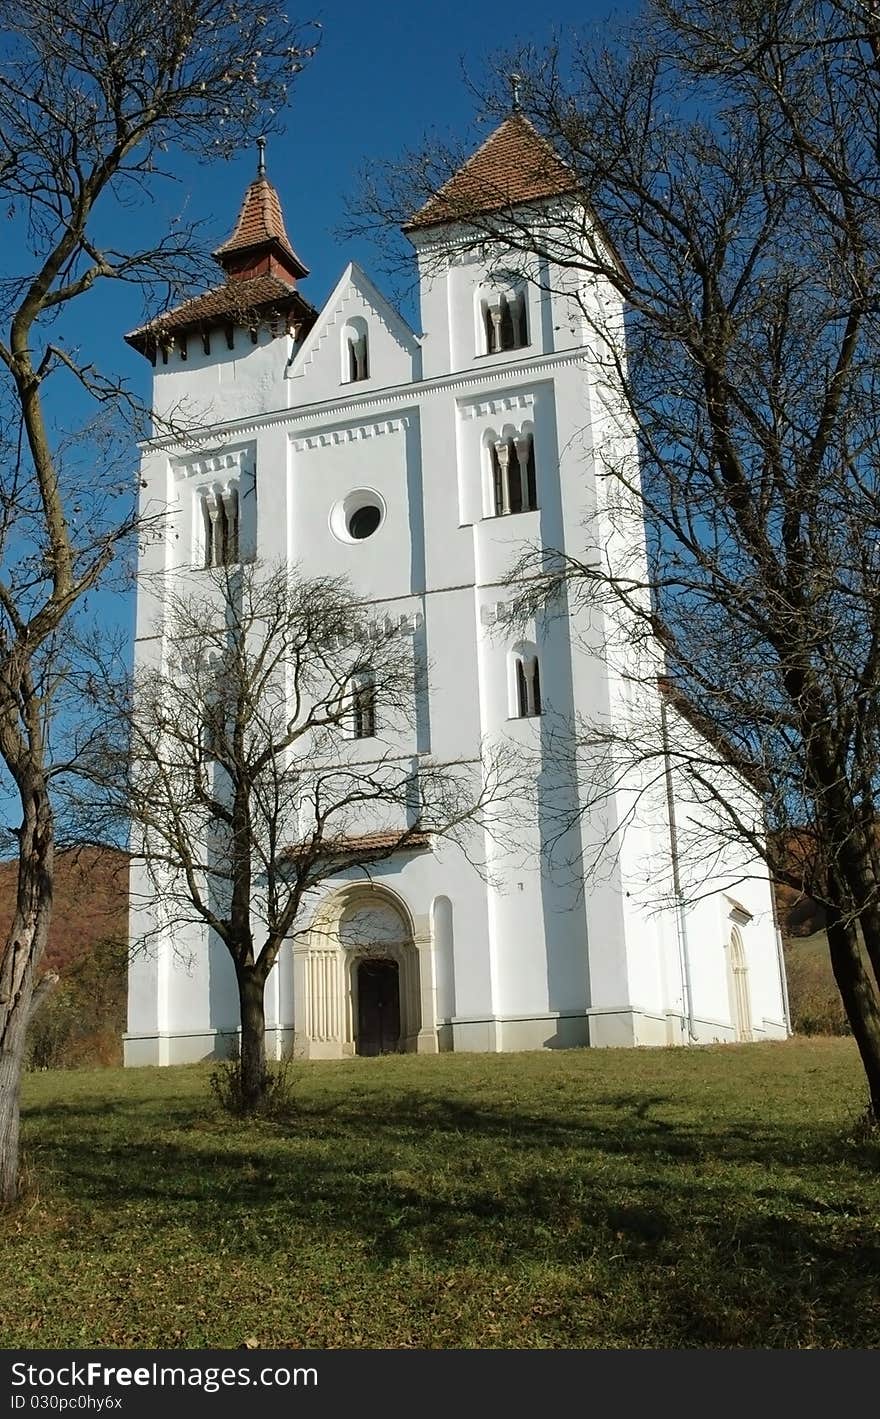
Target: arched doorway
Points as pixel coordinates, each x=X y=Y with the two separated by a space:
x=377 y=983
x=358 y=977
x=741 y=1008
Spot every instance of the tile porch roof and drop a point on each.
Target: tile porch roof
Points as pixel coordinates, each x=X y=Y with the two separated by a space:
x=368 y=843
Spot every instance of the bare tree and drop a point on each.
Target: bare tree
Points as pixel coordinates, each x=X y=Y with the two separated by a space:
x=273 y=748
x=725 y=184
x=92 y=95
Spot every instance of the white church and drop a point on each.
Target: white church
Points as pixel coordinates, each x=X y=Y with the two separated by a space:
x=419 y=466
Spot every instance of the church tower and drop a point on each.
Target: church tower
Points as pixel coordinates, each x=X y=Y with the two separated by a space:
x=419 y=467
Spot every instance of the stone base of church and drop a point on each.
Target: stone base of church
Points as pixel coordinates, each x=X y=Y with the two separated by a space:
x=425 y=1042
x=600 y=1029
x=178 y=1048
x=774 y=1030
x=509 y=1034
x=191 y=1048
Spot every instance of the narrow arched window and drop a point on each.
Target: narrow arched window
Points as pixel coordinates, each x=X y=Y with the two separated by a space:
x=528 y=686
x=504 y=321
x=214 y=729
x=355 y=351
x=492 y=326
x=363 y=705
x=500 y=454
x=220 y=518
x=516 y=314
x=217 y=712
x=514 y=478
x=522 y=689
x=530 y=481
x=741 y=1008
x=357 y=357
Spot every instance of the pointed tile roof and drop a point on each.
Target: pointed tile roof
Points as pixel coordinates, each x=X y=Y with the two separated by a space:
x=261 y=269
x=260 y=226
x=515 y=165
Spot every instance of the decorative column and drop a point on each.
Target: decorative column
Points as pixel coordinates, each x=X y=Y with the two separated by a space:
x=426 y=1042
x=300 y=1003
x=493 y=310
x=515 y=307
x=523 y=448
x=324 y=1003
x=502 y=454
x=212 y=505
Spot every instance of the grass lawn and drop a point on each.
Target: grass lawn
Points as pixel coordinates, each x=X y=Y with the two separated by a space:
x=587 y=1198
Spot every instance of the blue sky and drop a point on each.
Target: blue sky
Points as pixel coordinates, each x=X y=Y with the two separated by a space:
x=385 y=77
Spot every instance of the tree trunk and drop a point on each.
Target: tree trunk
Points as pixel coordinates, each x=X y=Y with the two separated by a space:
x=12 y=1045
x=21 y=956
x=251 y=991
x=869 y=921
x=859 y=999
x=855 y=864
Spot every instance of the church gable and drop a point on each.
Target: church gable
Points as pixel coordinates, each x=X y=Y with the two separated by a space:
x=358 y=343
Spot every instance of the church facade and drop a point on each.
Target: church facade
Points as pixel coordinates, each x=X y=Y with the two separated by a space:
x=418 y=467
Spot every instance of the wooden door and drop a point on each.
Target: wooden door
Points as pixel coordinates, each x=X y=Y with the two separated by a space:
x=378 y=986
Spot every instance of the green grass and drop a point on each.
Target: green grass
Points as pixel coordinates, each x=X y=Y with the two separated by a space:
x=816 y=1006
x=589 y=1198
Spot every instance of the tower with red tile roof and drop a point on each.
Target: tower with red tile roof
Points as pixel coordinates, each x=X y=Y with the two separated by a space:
x=259 y=293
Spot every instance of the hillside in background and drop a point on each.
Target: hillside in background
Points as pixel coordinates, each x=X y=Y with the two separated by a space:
x=798 y=915
x=91 y=902
x=82 y=1021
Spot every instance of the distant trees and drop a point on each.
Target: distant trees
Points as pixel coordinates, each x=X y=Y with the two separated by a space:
x=270 y=748
x=92 y=94
x=82 y=1019
x=80 y=998
x=729 y=152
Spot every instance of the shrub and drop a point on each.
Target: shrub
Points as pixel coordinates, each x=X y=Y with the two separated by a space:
x=278 y=1082
x=81 y=1022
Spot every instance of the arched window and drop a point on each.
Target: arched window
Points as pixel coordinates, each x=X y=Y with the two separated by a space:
x=217 y=710
x=355 y=351
x=526 y=684
x=363 y=705
x=503 y=319
x=220 y=526
x=741 y=1006
x=444 y=957
x=514 y=478
x=215 y=729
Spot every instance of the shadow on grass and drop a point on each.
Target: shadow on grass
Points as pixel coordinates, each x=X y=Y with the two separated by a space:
x=680 y=1204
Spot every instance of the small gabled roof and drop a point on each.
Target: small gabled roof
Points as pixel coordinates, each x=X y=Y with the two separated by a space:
x=355 y=276
x=366 y=846
x=515 y=165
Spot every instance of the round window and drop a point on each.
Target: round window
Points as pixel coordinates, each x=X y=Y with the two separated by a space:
x=358 y=515
x=364 y=521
